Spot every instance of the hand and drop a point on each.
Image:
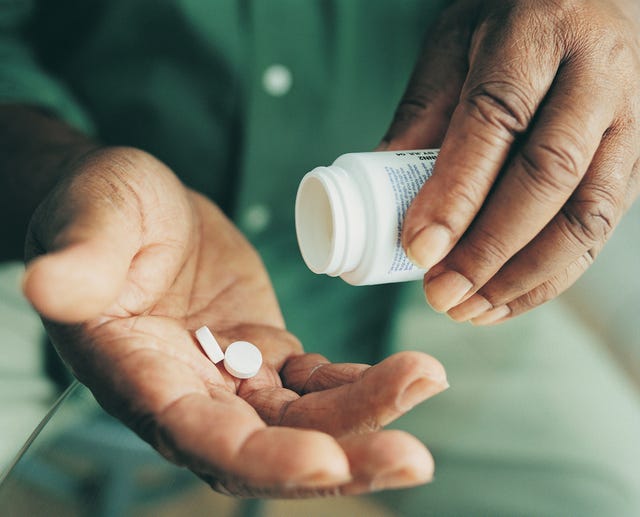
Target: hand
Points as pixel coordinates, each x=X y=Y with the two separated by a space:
x=129 y=263
x=536 y=107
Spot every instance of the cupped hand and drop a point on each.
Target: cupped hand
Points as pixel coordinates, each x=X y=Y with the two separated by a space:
x=126 y=263
x=536 y=106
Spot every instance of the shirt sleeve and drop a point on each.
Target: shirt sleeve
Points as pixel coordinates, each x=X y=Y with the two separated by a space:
x=23 y=80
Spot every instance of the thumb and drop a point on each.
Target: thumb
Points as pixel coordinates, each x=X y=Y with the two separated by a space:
x=422 y=116
x=84 y=264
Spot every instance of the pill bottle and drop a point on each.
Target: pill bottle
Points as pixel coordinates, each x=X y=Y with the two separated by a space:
x=349 y=215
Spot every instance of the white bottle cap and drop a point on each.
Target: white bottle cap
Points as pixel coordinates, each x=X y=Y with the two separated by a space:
x=209 y=344
x=242 y=359
x=330 y=221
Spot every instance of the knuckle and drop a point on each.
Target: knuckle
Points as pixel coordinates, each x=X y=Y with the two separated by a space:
x=542 y=294
x=420 y=93
x=409 y=109
x=413 y=365
x=555 y=286
x=501 y=105
x=465 y=193
x=591 y=221
x=549 y=168
x=486 y=250
x=414 y=103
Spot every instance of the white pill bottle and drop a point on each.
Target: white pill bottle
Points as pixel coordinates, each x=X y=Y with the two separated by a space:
x=349 y=215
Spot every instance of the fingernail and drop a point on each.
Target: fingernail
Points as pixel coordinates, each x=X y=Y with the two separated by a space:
x=446 y=290
x=471 y=308
x=420 y=390
x=406 y=477
x=492 y=316
x=321 y=478
x=429 y=246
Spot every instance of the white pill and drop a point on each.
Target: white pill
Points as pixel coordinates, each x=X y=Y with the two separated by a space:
x=209 y=344
x=242 y=359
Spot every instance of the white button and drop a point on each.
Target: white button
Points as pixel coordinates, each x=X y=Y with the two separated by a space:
x=277 y=80
x=256 y=218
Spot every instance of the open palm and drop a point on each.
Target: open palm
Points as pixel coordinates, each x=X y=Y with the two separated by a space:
x=127 y=262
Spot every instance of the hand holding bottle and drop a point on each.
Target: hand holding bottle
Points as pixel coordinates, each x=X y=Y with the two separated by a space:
x=536 y=106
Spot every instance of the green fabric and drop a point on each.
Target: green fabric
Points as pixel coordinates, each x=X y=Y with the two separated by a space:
x=23 y=80
x=182 y=79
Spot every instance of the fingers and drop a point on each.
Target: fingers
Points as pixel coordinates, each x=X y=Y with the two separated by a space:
x=196 y=421
x=377 y=396
x=350 y=401
x=498 y=101
x=378 y=461
x=120 y=216
x=223 y=436
x=182 y=405
x=534 y=187
x=77 y=282
x=422 y=116
x=88 y=231
x=313 y=372
x=544 y=292
x=527 y=180
x=578 y=231
x=385 y=460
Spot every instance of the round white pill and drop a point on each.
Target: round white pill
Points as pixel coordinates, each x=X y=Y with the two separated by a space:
x=242 y=359
x=209 y=344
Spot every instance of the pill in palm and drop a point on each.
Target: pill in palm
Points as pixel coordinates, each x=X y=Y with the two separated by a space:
x=242 y=359
x=209 y=344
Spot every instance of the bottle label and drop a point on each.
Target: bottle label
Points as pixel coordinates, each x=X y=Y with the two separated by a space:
x=407 y=177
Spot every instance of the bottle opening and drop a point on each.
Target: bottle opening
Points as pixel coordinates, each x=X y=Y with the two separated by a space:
x=314 y=225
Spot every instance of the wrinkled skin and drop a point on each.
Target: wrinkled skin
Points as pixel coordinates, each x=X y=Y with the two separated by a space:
x=536 y=105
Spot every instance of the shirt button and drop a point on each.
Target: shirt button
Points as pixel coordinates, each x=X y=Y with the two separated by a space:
x=277 y=80
x=256 y=218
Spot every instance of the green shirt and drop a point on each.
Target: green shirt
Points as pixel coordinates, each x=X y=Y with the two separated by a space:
x=240 y=99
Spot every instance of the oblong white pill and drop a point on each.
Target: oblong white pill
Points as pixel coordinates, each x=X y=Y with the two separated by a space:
x=209 y=344
x=242 y=359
